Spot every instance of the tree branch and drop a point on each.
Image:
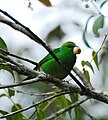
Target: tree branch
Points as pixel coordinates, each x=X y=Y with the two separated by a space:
x=20 y=27
x=82 y=78
x=43 y=77
x=54 y=115
x=36 y=94
x=86 y=90
x=86 y=113
x=16 y=56
x=35 y=104
x=100 y=95
x=21 y=69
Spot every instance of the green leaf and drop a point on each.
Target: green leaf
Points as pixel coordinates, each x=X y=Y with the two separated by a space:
x=3 y=44
x=87 y=63
x=103 y=3
x=3 y=95
x=83 y=63
x=42 y=110
x=99 y=23
x=46 y=2
x=79 y=115
x=40 y=115
x=74 y=97
x=55 y=33
x=86 y=73
x=90 y=66
x=7 y=68
x=16 y=107
x=95 y=59
x=4 y=113
x=69 y=111
x=62 y=102
x=104 y=49
x=18 y=116
x=85 y=32
x=77 y=112
x=11 y=92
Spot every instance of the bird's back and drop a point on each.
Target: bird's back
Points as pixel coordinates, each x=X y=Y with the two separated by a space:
x=50 y=66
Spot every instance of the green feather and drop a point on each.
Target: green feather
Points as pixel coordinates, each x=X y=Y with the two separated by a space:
x=65 y=54
x=48 y=57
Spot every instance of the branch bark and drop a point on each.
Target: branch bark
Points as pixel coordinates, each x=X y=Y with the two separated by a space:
x=20 y=27
x=21 y=69
x=35 y=104
x=66 y=109
x=82 y=78
x=88 y=90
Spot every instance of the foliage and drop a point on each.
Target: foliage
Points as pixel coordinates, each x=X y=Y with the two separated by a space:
x=47 y=108
x=3 y=44
x=98 y=24
x=46 y=2
x=84 y=33
x=57 y=32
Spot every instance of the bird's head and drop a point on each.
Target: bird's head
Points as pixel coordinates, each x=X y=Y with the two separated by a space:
x=72 y=45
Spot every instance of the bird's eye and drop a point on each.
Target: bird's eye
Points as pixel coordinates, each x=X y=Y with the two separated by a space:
x=69 y=46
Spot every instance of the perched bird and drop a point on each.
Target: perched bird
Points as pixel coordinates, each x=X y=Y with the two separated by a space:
x=66 y=54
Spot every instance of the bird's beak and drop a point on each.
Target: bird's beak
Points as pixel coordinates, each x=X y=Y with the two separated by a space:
x=76 y=50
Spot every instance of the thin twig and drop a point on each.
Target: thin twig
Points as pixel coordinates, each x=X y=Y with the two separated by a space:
x=36 y=94
x=54 y=115
x=88 y=114
x=82 y=78
x=17 y=84
x=33 y=36
x=63 y=85
x=14 y=104
x=21 y=69
x=95 y=5
x=16 y=56
x=37 y=39
x=8 y=59
x=35 y=104
x=18 y=26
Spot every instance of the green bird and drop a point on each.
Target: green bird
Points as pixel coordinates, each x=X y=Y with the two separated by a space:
x=66 y=54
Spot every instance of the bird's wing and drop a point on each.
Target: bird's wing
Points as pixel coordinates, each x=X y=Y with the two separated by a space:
x=49 y=56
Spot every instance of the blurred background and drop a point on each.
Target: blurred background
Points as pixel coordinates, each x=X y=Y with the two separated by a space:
x=55 y=24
